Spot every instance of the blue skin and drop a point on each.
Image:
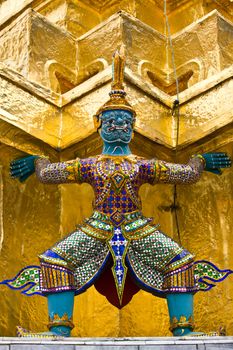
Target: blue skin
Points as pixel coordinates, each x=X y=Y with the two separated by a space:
x=180 y=304
x=116 y=132
x=61 y=303
x=215 y=161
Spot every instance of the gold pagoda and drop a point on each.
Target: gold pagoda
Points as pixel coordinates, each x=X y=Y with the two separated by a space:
x=55 y=73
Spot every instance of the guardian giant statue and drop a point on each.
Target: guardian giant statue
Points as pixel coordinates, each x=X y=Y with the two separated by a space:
x=117 y=249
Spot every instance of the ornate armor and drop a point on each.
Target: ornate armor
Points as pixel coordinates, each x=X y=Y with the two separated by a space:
x=117 y=229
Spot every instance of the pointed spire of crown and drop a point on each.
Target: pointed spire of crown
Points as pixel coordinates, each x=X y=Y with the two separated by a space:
x=118 y=67
x=117 y=94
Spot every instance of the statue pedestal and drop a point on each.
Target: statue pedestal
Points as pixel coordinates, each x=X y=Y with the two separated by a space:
x=205 y=343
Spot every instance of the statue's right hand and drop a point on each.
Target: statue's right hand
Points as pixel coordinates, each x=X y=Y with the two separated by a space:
x=22 y=168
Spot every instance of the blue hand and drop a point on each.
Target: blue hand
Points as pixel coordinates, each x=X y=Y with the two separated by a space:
x=22 y=168
x=215 y=161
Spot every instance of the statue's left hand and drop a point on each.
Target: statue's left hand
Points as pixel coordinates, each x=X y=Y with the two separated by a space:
x=214 y=162
x=22 y=168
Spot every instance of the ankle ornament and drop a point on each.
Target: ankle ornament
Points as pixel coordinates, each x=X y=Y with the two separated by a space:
x=183 y=322
x=57 y=321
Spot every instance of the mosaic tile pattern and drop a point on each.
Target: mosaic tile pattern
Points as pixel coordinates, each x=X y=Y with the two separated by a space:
x=116 y=180
x=118 y=247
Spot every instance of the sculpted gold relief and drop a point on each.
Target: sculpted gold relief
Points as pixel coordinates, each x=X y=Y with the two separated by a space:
x=80 y=16
x=36 y=119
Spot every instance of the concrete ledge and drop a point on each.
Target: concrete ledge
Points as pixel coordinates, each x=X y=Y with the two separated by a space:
x=205 y=343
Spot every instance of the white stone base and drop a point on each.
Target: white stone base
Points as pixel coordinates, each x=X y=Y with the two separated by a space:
x=211 y=343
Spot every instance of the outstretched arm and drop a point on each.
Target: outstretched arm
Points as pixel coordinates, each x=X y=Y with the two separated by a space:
x=191 y=172
x=179 y=173
x=57 y=173
x=47 y=172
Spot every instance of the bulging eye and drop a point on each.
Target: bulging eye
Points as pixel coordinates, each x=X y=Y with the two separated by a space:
x=128 y=122
x=108 y=121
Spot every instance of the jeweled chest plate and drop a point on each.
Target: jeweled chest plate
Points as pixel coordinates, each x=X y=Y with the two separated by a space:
x=116 y=186
x=117 y=170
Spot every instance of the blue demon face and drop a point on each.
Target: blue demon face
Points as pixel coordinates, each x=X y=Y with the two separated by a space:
x=117 y=126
